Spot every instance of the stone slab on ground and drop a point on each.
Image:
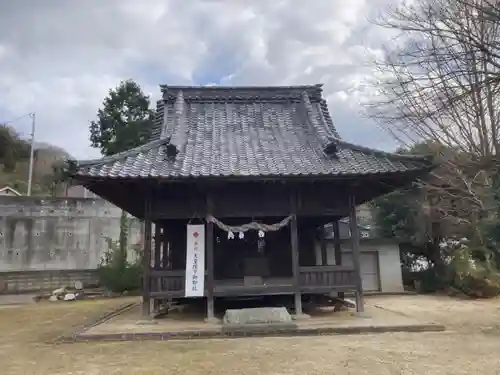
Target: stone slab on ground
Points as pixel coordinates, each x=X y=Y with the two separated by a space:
x=59 y=291
x=349 y=303
x=258 y=315
x=70 y=297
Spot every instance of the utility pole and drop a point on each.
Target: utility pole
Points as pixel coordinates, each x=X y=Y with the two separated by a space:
x=32 y=153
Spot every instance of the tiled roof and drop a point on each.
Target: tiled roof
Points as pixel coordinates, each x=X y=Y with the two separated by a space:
x=246 y=131
x=9 y=190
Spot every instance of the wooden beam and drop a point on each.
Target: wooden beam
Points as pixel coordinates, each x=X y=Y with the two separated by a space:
x=210 y=262
x=353 y=221
x=294 y=240
x=146 y=262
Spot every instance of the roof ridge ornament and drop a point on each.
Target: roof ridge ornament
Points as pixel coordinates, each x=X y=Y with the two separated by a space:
x=170 y=150
x=328 y=143
x=331 y=148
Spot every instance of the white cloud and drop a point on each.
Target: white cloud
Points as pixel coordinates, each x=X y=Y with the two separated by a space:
x=60 y=58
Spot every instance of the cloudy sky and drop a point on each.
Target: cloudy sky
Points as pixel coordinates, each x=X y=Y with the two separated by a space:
x=59 y=58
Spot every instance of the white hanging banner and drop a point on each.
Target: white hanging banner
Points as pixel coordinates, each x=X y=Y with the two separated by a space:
x=195 y=261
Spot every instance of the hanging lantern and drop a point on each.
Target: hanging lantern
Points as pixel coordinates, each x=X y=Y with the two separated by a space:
x=230 y=235
x=261 y=234
x=242 y=235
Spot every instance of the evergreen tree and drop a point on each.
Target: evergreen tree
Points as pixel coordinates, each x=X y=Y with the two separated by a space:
x=124 y=122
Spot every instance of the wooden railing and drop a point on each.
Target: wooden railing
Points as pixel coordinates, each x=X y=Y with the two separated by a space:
x=314 y=279
x=326 y=278
x=167 y=283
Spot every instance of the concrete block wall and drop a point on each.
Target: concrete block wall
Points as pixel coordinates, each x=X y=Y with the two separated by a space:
x=63 y=234
x=35 y=281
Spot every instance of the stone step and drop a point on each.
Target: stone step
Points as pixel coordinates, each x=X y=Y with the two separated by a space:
x=258 y=315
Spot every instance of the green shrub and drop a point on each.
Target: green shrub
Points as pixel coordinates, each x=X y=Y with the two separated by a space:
x=119 y=280
x=431 y=281
x=466 y=269
x=469 y=271
x=116 y=273
x=473 y=277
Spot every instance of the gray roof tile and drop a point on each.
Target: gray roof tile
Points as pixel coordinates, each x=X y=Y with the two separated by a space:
x=245 y=131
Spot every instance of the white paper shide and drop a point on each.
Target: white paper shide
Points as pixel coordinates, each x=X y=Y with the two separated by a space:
x=195 y=261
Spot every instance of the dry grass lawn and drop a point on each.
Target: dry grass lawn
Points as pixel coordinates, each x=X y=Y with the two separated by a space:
x=470 y=347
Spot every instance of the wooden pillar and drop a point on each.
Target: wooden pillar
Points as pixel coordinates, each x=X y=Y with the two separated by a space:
x=295 y=264
x=353 y=220
x=158 y=241
x=322 y=241
x=166 y=248
x=210 y=262
x=294 y=240
x=337 y=249
x=158 y=244
x=146 y=260
x=336 y=243
x=177 y=252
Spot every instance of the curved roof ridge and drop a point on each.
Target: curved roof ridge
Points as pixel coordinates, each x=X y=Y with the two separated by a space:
x=235 y=87
x=353 y=146
x=134 y=151
x=239 y=93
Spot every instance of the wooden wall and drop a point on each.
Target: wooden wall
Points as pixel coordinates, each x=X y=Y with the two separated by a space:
x=249 y=199
x=229 y=255
x=231 y=199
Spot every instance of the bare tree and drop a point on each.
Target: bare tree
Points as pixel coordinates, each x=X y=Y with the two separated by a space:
x=439 y=82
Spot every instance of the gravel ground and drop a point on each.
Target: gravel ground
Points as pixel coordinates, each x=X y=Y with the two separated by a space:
x=462 y=315
x=470 y=346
